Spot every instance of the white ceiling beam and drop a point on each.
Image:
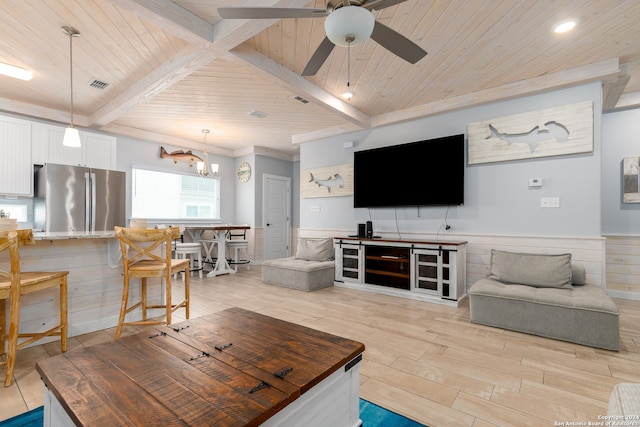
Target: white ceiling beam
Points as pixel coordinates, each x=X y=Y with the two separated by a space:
x=325 y=133
x=40 y=112
x=216 y=41
x=606 y=70
x=298 y=85
x=165 y=139
x=599 y=71
x=172 y=18
x=175 y=69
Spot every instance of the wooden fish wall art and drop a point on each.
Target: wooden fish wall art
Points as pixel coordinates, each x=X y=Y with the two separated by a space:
x=180 y=156
x=556 y=131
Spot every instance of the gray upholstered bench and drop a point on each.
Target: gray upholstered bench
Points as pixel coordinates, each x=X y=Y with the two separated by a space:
x=624 y=405
x=312 y=268
x=554 y=301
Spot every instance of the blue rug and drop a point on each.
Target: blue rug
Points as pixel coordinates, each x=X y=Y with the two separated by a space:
x=371 y=415
x=32 y=418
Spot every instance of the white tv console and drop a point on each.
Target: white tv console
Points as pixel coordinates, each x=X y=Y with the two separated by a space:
x=432 y=271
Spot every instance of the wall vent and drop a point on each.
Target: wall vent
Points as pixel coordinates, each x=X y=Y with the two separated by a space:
x=99 y=84
x=301 y=99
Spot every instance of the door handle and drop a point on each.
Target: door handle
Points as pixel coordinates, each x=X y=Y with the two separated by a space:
x=268 y=225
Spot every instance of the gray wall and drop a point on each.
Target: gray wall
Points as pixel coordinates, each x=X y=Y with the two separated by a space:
x=497 y=197
x=245 y=201
x=620 y=138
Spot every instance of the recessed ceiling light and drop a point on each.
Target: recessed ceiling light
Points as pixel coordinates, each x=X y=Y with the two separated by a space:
x=17 y=72
x=565 y=26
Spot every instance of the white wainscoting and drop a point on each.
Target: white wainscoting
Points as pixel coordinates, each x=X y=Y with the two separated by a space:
x=94 y=288
x=623 y=266
x=588 y=251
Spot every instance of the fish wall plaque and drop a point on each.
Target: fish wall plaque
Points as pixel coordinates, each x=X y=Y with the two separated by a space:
x=180 y=156
x=332 y=181
x=551 y=132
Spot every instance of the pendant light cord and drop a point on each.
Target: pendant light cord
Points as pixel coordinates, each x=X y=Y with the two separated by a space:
x=71 y=73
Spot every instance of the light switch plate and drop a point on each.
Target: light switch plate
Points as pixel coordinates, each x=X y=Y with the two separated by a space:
x=550 y=202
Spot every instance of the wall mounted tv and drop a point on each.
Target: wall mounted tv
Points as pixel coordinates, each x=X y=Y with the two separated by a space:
x=422 y=173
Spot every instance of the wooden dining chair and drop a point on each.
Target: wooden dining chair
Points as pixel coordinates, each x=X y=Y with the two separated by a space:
x=15 y=283
x=146 y=253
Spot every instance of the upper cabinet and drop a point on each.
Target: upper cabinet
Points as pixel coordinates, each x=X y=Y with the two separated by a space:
x=16 y=170
x=97 y=151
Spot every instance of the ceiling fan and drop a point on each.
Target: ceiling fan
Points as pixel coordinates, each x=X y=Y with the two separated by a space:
x=348 y=23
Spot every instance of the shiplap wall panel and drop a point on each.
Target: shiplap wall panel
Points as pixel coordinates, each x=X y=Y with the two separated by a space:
x=588 y=251
x=94 y=289
x=623 y=265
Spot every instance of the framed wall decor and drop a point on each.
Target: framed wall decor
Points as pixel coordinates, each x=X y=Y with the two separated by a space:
x=631 y=180
x=567 y=129
x=331 y=181
x=244 y=172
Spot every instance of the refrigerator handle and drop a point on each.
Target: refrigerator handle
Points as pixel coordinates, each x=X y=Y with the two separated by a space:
x=87 y=198
x=93 y=202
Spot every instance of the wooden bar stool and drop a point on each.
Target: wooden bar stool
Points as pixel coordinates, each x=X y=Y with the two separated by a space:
x=140 y=260
x=14 y=284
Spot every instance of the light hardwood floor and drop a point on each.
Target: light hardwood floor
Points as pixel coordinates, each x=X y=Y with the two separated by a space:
x=422 y=360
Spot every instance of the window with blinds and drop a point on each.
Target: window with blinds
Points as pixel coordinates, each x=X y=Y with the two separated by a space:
x=164 y=195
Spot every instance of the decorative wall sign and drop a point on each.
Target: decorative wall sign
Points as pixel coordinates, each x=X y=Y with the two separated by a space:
x=332 y=181
x=550 y=132
x=180 y=156
x=631 y=180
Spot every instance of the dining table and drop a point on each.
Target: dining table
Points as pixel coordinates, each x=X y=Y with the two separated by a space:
x=220 y=236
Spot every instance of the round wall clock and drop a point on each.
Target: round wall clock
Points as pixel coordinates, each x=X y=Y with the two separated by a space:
x=244 y=172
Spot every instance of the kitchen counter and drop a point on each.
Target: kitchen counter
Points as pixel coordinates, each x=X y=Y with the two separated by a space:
x=64 y=235
x=94 y=282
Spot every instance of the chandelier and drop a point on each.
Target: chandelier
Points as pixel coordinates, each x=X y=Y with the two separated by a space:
x=203 y=166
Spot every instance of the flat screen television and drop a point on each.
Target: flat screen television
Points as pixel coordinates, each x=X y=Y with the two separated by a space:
x=422 y=173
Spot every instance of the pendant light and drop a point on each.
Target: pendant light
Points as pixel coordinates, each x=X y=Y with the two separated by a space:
x=202 y=167
x=348 y=93
x=71 y=134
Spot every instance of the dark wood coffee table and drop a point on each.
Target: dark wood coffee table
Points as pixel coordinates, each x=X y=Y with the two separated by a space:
x=231 y=368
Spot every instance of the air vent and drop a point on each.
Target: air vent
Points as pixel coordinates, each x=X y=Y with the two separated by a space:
x=99 y=84
x=301 y=99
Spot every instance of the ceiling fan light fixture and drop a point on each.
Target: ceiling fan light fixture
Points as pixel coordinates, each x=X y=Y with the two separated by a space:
x=352 y=23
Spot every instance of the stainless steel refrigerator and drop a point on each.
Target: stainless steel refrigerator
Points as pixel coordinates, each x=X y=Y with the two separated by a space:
x=74 y=198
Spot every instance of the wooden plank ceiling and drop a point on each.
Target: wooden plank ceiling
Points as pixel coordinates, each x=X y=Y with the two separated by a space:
x=175 y=67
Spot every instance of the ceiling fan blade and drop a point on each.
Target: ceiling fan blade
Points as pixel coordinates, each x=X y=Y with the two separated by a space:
x=269 y=12
x=381 y=4
x=319 y=56
x=396 y=43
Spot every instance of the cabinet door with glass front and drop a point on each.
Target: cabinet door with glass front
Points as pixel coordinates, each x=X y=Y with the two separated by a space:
x=434 y=272
x=349 y=263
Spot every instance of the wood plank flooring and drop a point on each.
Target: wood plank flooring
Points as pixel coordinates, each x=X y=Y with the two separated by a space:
x=425 y=361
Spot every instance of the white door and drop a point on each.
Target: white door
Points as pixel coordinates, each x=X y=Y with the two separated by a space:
x=276 y=218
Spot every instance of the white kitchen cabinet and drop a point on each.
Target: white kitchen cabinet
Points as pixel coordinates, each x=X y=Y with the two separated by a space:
x=97 y=151
x=16 y=170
